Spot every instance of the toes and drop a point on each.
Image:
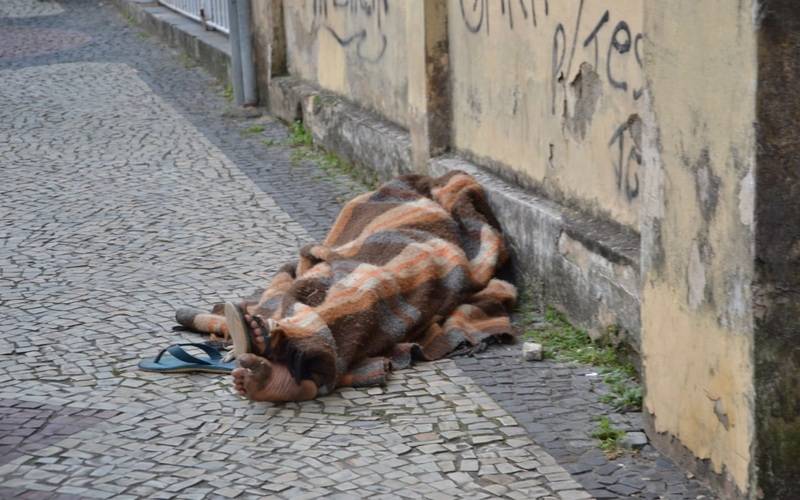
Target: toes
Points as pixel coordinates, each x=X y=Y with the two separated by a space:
x=239 y=377
x=258 y=339
x=258 y=365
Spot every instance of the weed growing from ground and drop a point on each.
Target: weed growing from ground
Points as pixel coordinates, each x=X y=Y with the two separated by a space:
x=303 y=143
x=186 y=61
x=609 y=437
x=227 y=93
x=300 y=135
x=254 y=129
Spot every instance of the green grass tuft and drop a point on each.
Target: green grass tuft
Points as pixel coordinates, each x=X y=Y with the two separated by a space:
x=300 y=135
x=302 y=142
x=187 y=61
x=626 y=393
x=227 y=93
x=609 y=437
x=254 y=129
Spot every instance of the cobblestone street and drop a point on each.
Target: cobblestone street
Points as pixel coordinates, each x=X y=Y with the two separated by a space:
x=131 y=189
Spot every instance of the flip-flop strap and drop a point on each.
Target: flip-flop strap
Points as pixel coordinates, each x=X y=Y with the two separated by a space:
x=177 y=351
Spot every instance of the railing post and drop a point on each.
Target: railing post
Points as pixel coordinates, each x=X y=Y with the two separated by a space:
x=236 y=56
x=246 y=53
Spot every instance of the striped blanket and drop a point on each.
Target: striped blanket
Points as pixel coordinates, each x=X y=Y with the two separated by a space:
x=407 y=272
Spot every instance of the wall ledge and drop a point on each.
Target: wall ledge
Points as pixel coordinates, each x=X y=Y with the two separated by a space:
x=360 y=136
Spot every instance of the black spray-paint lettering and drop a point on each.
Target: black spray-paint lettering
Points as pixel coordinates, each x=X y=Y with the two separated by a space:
x=371 y=9
x=621 y=47
x=593 y=37
x=475 y=18
x=637 y=93
x=475 y=13
x=558 y=61
x=622 y=166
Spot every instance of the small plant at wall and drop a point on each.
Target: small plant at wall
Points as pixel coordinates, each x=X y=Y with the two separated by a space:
x=302 y=143
x=227 y=93
x=609 y=437
x=300 y=135
x=187 y=61
x=254 y=129
x=626 y=393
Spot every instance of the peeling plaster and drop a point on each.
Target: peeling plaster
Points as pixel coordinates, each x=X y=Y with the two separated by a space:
x=587 y=88
x=747 y=196
x=696 y=278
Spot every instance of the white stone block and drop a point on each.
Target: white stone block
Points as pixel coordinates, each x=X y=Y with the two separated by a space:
x=531 y=351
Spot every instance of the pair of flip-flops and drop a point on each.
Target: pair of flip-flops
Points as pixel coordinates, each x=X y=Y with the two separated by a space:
x=176 y=359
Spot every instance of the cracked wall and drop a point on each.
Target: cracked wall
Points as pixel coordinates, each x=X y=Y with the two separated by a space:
x=548 y=93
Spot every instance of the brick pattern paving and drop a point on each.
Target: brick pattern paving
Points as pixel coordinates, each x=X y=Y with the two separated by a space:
x=118 y=210
x=130 y=189
x=27 y=42
x=29 y=8
x=558 y=403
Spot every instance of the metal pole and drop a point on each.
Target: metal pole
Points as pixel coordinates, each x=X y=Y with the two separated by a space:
x=246 y=51
x=236 y=56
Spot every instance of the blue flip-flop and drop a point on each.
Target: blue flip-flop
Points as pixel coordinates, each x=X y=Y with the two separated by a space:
x=174 y=359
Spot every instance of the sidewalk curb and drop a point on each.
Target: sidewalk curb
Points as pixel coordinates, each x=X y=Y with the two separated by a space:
x=210 y=49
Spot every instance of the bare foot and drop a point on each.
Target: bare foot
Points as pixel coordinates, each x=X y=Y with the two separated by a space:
x=259 y=380
x=257 y=333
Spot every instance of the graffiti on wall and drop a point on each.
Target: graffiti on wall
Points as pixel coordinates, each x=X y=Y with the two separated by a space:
x=475 y=13
x=356 y=25
x=606 y=42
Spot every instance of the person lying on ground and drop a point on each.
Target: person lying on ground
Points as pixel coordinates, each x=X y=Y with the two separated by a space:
x=407 y=272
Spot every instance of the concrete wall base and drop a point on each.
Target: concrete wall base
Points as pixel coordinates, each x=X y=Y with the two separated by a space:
x=211 y=49
x=357 y=135
x=587 y=268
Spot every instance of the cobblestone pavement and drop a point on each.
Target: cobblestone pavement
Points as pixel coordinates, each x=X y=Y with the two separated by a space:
x=130 y=189
x=28 y=8
x=557 y=403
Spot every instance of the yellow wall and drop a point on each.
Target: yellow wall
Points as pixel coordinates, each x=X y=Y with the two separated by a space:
x=697 y=218
x=550 y=89
x=354 y=48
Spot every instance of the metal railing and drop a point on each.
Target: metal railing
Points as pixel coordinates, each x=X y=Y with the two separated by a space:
x=213 y=13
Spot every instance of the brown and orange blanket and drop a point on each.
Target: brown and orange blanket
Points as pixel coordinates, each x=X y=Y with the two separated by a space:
x=407 y=272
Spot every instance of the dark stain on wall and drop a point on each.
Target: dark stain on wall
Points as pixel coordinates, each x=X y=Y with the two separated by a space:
x=777 y=225
x=707 y=185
